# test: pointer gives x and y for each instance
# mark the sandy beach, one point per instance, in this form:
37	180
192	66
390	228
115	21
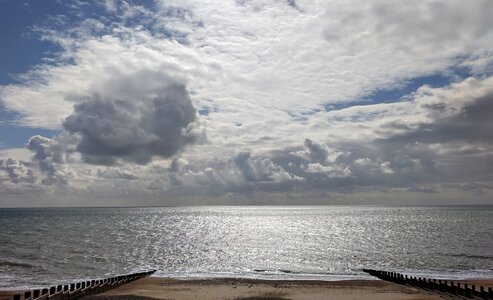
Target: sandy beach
250	289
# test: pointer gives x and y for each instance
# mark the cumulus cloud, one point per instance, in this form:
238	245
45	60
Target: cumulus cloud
116	173
278	110
259	169
17	171
45	148
134	130
47	154
316	152
469	121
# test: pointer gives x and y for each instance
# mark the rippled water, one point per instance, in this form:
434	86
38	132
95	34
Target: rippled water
42	246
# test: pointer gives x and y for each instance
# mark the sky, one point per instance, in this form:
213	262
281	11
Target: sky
264	102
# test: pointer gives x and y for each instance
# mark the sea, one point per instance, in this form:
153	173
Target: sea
40	247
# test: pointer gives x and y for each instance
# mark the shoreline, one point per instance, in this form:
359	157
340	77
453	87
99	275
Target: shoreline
274	289
486	281
232	288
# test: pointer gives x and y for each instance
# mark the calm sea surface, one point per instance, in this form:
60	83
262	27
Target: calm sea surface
46	246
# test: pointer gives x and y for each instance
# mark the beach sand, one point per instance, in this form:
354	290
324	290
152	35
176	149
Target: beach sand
250	289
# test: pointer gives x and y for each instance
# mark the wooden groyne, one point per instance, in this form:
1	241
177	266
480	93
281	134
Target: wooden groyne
74	290
448	287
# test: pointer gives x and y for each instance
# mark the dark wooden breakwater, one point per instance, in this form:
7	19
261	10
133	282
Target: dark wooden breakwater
74	290
442	286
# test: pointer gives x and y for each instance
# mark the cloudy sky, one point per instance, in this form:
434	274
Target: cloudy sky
246	102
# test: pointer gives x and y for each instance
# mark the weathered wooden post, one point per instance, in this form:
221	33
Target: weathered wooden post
452	288
79	289
467	291
460	291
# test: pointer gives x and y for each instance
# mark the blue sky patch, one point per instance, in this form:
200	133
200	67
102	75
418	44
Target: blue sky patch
407	87
14	136
21	49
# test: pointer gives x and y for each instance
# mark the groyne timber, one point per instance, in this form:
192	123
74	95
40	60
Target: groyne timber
74	290
446	287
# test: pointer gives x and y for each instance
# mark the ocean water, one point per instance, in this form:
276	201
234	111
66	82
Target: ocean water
45	246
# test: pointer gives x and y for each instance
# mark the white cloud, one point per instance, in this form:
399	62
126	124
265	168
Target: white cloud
19	153
261	72
111	5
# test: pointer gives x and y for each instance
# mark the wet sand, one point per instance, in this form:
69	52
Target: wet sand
249	289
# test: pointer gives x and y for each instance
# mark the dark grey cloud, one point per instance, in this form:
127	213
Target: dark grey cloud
317	152
420	158
259	169
294	5
134	130
471	124
48	153
174	180
474	187
456	147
